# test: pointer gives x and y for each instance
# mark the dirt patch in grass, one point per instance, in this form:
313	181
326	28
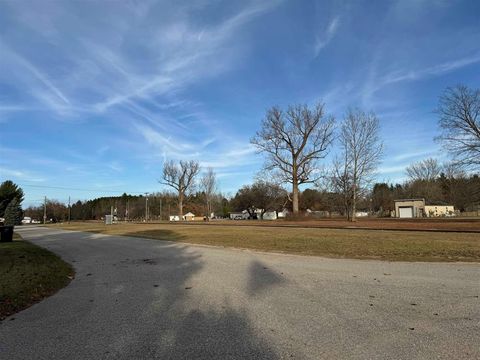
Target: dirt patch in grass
28	274
341	243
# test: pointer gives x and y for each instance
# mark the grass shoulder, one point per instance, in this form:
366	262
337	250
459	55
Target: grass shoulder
29	273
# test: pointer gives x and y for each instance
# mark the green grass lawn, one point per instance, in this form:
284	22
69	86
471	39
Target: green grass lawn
341	243
28	274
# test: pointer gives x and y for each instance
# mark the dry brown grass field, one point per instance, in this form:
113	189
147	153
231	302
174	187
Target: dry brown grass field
392	245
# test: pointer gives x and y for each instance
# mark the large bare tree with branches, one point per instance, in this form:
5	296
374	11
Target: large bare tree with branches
294	141
362	150
181	177
459	111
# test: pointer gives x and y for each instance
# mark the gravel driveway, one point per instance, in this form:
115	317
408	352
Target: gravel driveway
148	299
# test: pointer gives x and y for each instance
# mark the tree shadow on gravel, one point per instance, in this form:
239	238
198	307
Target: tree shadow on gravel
180	330
217	334
133	298
261	278
163	316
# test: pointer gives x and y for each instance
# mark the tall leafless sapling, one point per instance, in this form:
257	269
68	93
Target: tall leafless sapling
181	177
459	111
294	141
208	185
342	182
362	150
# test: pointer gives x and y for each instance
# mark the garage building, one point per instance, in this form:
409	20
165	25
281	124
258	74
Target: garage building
409	208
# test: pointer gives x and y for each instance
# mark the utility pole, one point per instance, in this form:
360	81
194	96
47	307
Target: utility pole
69	210
160	209
146	207
45	210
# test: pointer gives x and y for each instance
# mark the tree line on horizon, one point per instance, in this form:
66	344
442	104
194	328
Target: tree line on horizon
443	188
294	142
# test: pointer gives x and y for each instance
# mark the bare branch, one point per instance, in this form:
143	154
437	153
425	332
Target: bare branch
459	110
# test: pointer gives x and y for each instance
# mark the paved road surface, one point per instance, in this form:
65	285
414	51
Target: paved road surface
146	299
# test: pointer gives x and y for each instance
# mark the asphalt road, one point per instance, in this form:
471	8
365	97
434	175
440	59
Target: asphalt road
147	299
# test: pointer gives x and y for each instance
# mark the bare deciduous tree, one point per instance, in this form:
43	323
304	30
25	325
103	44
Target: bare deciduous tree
459	111
362	150
294	142
452	170
181	177
209	187
427	170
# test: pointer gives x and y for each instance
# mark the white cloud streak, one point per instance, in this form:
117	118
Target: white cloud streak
413	75
53	97
323	39
191	52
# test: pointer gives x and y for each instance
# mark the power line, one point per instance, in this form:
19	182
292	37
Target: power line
78	189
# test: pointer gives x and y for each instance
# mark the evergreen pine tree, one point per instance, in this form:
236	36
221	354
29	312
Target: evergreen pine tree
13	213
8	191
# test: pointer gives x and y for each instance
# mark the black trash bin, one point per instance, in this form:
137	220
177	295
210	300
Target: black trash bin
6	233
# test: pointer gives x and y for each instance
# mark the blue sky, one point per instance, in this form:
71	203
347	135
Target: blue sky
96	95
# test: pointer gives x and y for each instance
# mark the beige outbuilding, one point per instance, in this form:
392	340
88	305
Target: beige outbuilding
416	208
409	208
439	210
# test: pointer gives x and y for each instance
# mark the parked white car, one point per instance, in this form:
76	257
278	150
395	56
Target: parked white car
27	220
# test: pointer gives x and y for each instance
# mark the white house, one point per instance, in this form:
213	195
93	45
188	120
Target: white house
239	215
270	215
282	214
189	216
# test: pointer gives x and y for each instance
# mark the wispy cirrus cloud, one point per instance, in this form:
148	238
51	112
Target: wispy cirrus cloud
167	145
415	155
324	38
191	51
20	174
431	71
378	82
103	74
41	86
